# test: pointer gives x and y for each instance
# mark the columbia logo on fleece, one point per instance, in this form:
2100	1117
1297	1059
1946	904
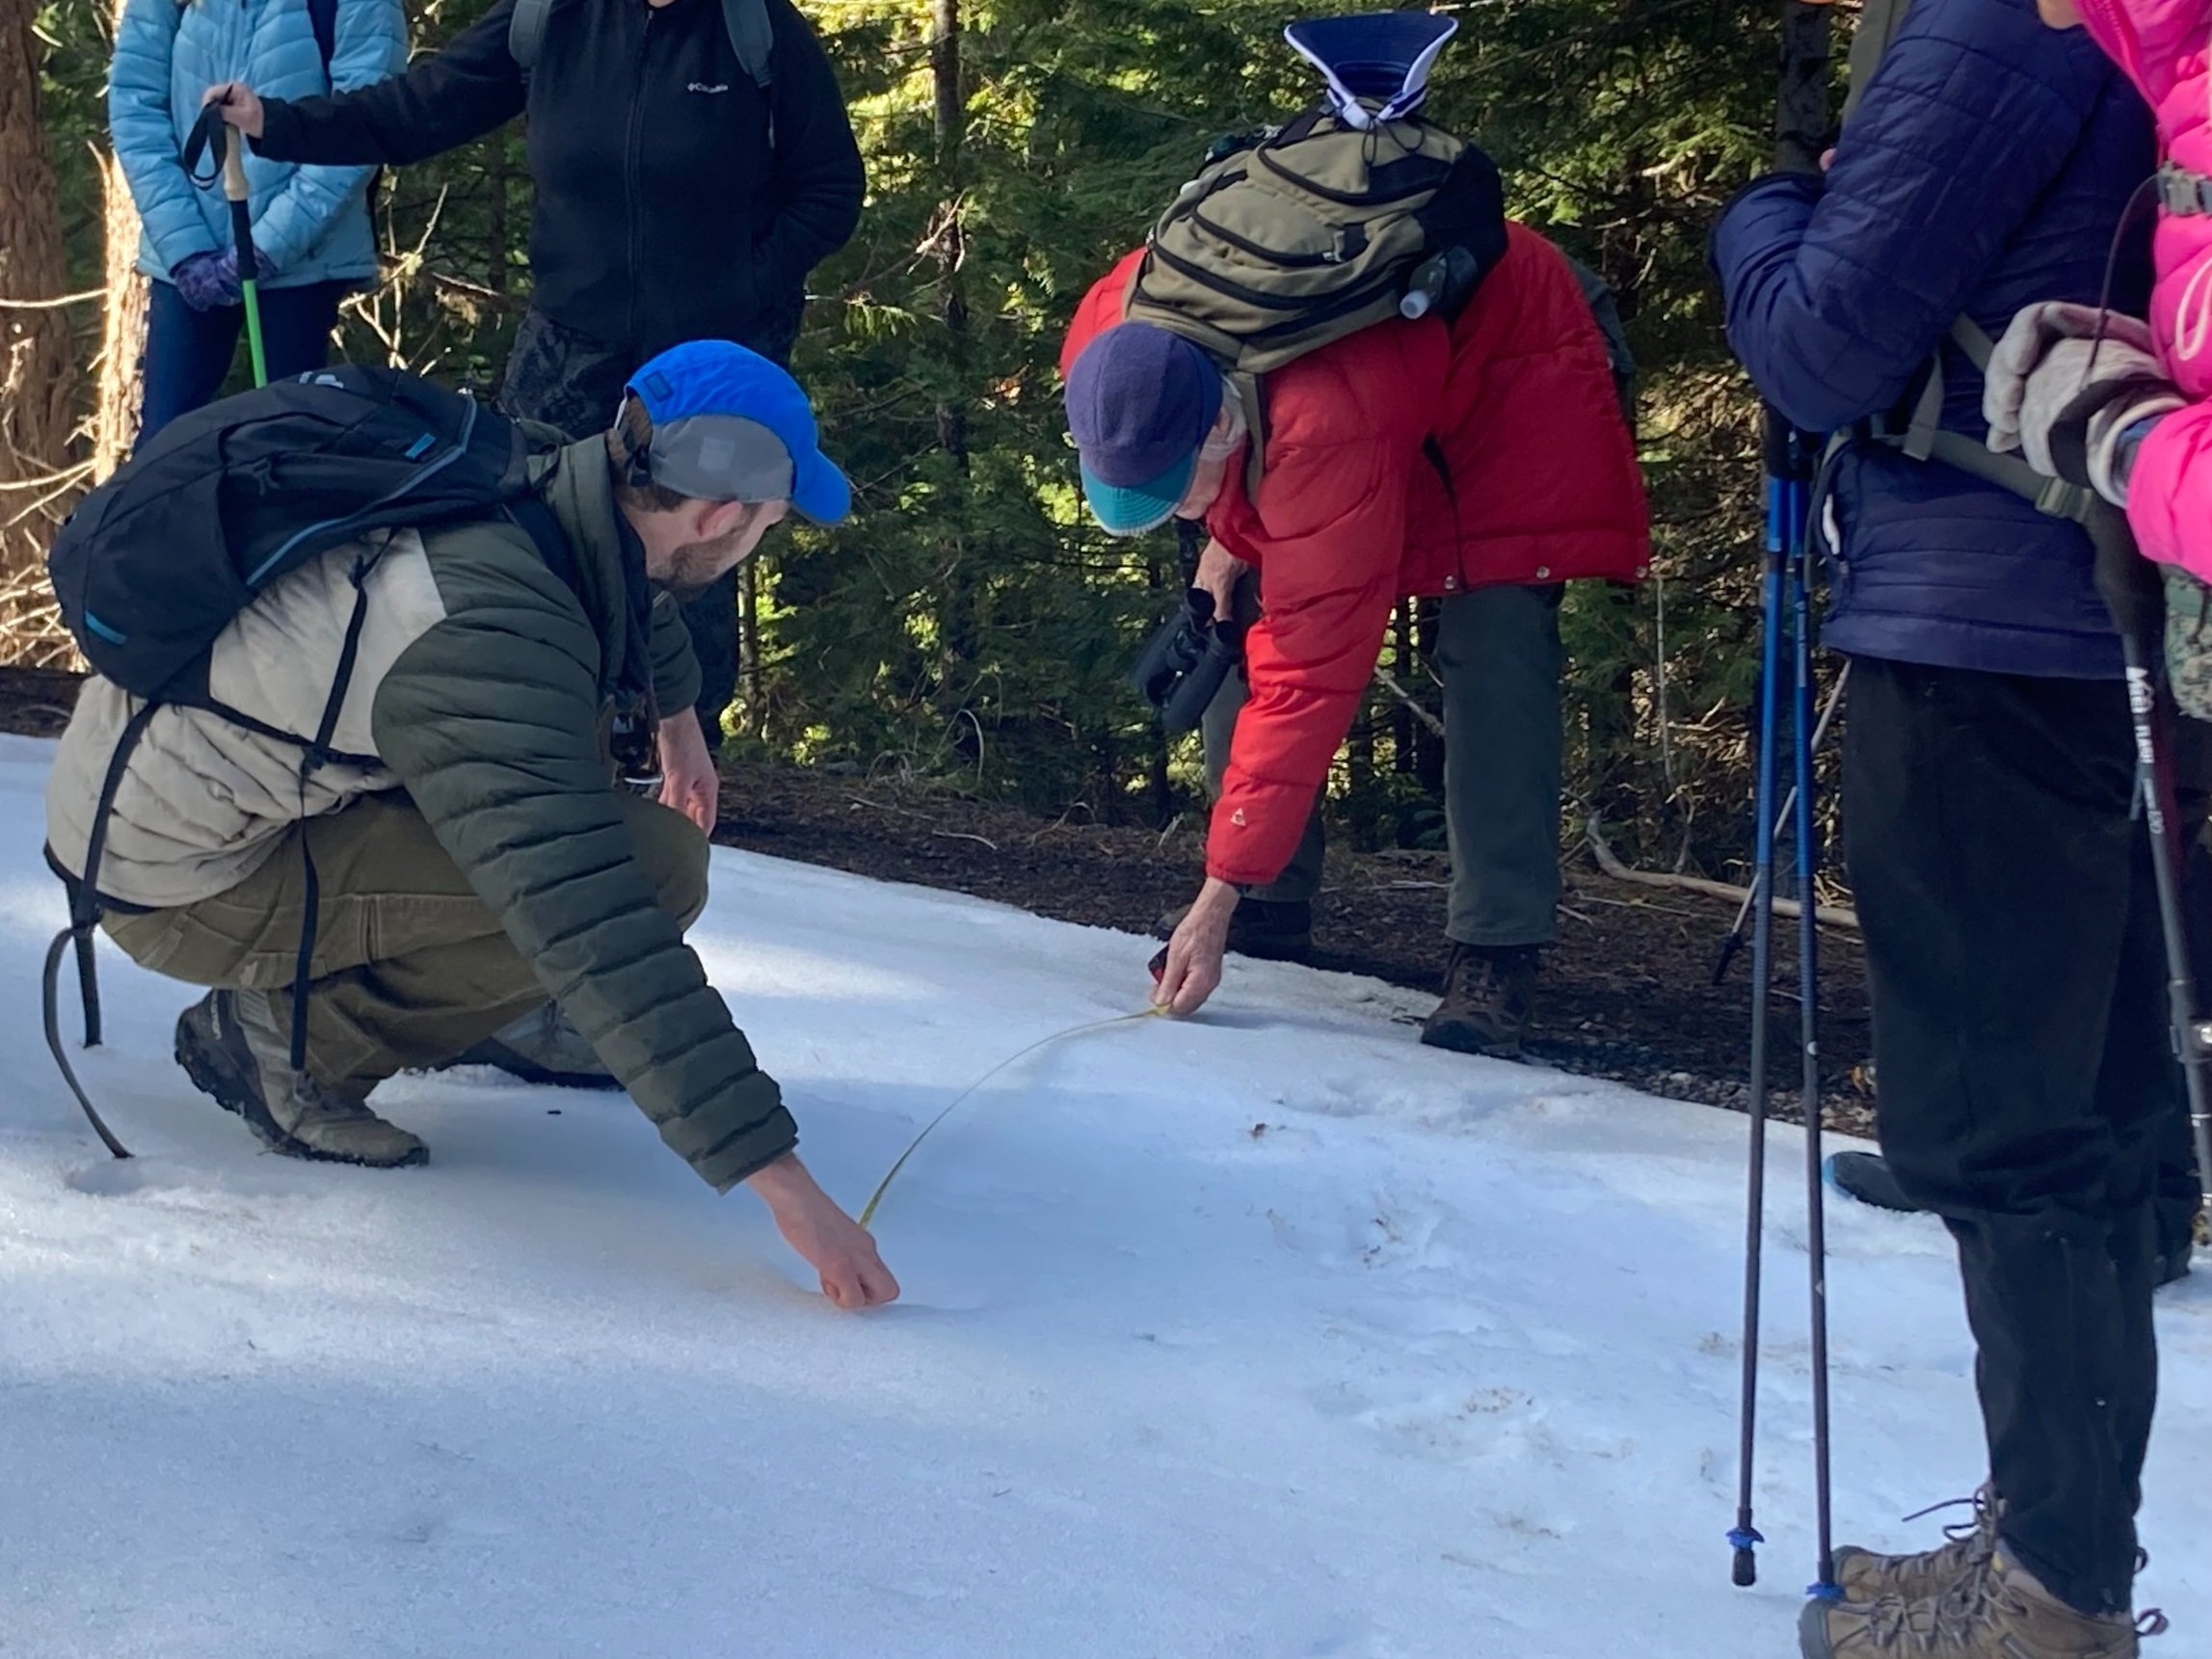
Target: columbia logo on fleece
703	87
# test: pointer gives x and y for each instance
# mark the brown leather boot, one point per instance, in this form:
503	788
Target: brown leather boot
2001	1611
233	1047
1489	993
1864	1577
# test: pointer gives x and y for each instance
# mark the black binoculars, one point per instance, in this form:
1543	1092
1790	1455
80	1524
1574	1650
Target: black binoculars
633	740
1186	660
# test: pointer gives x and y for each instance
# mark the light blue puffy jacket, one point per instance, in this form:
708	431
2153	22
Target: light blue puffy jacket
311	224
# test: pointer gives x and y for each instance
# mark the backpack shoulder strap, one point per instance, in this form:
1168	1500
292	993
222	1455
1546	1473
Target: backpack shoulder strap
1879	21
1252	400
527	31
1925	439
750	31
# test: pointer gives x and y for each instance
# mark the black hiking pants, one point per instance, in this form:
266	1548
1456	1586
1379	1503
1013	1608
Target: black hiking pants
575	383
2019	979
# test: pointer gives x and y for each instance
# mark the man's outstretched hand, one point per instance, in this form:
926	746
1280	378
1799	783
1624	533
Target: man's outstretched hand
1194	966
833	1245
689	781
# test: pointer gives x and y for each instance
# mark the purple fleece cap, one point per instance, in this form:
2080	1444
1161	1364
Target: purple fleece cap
1140	401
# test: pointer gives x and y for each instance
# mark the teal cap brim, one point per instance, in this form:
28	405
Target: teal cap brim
1132	509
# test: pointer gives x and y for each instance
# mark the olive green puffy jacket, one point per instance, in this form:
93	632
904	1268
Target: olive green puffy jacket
480	688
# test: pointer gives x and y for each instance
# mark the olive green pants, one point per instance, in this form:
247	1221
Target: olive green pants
1499	655
410	967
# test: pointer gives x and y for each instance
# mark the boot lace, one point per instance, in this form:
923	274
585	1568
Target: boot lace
1895	1626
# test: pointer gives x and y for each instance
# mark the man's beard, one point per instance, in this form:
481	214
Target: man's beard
693	570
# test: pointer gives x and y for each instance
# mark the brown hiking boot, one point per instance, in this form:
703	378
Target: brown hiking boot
2000	1612
233	1047
1489	993
1864	1577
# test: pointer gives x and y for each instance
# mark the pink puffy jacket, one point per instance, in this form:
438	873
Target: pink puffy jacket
2166	48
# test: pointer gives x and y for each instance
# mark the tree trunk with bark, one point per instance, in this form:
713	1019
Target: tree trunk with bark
122	322
957	604
39	379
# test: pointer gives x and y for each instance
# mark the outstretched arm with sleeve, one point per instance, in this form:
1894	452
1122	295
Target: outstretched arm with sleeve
142	123
369	49
1328	578
465	91
489	719
1838	293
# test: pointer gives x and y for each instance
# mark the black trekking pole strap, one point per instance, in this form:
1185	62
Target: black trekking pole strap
206	140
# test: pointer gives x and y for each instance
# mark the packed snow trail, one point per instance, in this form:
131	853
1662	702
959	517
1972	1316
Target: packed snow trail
1266	1335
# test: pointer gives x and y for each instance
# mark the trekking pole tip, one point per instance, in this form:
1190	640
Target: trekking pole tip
1747	1540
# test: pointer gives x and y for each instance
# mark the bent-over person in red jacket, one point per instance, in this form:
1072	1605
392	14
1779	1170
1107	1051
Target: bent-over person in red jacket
1485	461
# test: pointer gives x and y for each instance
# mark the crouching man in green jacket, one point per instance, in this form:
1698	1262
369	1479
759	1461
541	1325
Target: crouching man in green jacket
475	856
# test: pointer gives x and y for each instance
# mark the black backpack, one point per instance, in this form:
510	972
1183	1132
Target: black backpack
224	501
215	508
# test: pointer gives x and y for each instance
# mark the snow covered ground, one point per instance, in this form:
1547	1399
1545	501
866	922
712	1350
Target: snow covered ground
1266	1334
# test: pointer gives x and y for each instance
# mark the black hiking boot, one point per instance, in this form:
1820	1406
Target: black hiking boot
1270	929
540	1048
1489	994
234	1048
1866	1176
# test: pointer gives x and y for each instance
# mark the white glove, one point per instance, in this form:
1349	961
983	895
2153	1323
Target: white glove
2062	395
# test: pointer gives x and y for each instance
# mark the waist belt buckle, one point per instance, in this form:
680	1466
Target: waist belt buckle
2182	191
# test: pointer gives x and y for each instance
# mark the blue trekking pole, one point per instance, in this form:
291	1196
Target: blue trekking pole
1799	124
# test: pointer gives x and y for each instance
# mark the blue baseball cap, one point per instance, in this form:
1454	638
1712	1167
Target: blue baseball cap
728	426
1140	401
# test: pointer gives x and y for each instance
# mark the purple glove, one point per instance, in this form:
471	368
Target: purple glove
263	270
204	283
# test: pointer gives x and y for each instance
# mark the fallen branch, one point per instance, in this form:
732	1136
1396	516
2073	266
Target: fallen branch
1390	684
1827	915
56	303
962	835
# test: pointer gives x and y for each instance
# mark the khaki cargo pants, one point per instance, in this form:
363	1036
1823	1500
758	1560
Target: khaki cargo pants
411	968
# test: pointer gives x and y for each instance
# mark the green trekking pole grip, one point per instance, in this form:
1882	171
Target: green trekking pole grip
242	234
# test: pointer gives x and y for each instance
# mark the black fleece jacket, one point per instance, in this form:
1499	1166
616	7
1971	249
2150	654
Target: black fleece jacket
664	211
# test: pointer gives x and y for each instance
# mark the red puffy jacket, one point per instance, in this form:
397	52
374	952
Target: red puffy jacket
1354	511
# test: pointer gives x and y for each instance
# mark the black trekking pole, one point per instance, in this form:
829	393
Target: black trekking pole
1745	1535
1805	736
242	237
1800	122
2130	587
223	147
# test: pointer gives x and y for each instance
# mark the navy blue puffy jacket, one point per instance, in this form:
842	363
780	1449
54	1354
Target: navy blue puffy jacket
1987	169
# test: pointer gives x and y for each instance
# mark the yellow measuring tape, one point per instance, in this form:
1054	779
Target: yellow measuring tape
868	1212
